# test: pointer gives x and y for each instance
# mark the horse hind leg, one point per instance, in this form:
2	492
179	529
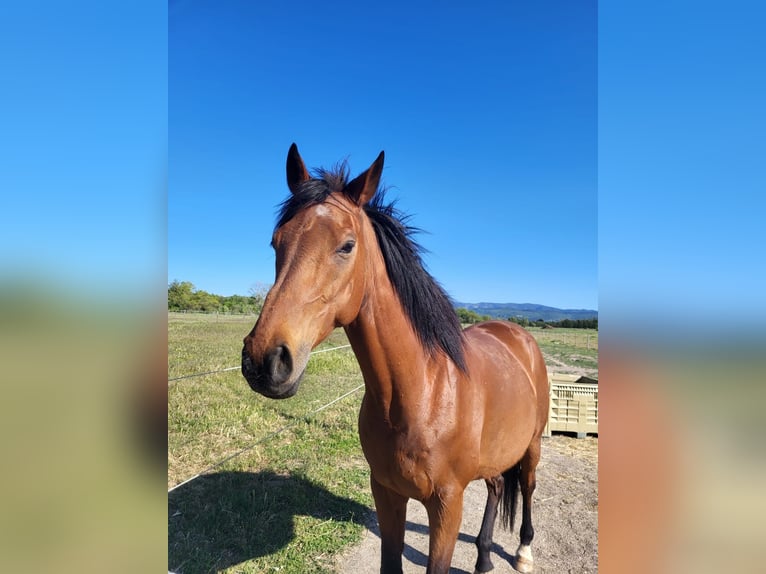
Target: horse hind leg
527	481
484	539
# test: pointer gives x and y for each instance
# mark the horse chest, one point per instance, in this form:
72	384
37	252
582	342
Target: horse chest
402	462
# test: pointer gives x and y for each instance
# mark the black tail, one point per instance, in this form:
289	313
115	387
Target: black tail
510	495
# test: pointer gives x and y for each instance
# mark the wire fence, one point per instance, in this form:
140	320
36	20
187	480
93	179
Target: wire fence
585	340
212	316
270	435
267	437
588	341
237	367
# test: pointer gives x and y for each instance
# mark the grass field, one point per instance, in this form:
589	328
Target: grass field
299	493
298	496
568	349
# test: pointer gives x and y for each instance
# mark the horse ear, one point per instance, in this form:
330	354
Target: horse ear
296	169
364	186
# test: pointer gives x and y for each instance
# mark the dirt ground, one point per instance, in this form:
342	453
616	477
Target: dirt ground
565	518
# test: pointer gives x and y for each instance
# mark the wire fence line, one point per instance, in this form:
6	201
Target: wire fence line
267	437
237	367
203	374
270	435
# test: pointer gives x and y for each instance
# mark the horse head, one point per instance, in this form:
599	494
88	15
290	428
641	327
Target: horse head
321	241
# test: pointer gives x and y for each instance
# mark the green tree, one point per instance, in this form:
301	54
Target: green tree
470	317
206	302
258	293
183	296
577	323
180	294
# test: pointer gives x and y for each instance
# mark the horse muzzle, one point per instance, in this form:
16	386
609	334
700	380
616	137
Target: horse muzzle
275	375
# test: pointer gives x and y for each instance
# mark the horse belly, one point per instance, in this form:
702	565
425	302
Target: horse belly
508	429
501	453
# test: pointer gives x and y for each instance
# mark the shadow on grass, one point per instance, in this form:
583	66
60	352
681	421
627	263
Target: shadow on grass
226	518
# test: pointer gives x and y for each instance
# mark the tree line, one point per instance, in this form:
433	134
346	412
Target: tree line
183	296
470	317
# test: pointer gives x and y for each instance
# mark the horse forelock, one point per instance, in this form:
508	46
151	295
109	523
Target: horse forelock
313	191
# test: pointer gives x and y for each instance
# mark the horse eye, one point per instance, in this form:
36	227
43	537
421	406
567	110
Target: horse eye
347	247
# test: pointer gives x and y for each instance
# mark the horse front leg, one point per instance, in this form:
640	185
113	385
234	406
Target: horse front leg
392	513
445	512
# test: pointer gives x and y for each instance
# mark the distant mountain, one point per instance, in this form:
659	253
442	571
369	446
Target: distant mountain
531	311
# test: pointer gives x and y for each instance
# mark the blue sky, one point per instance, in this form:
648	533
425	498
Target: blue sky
470	108
83	145
682	167
487	115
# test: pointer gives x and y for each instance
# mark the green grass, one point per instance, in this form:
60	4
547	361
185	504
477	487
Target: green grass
573	347
293	500
580	338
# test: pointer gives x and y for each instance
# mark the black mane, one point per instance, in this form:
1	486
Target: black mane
423	300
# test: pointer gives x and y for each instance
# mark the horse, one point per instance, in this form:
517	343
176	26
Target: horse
442	406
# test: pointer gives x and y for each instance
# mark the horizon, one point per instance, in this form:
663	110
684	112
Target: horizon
528	303
452	299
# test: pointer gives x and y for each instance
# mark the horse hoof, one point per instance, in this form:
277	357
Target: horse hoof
483	567
524	562
523	566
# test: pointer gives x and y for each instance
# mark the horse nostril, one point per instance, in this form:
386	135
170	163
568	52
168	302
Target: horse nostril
247	363
279	364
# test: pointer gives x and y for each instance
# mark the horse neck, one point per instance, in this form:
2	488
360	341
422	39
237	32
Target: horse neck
391	357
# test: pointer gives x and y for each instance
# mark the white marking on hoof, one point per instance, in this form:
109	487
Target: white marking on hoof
524	561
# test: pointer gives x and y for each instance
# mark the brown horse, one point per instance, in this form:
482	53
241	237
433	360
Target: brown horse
442	406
